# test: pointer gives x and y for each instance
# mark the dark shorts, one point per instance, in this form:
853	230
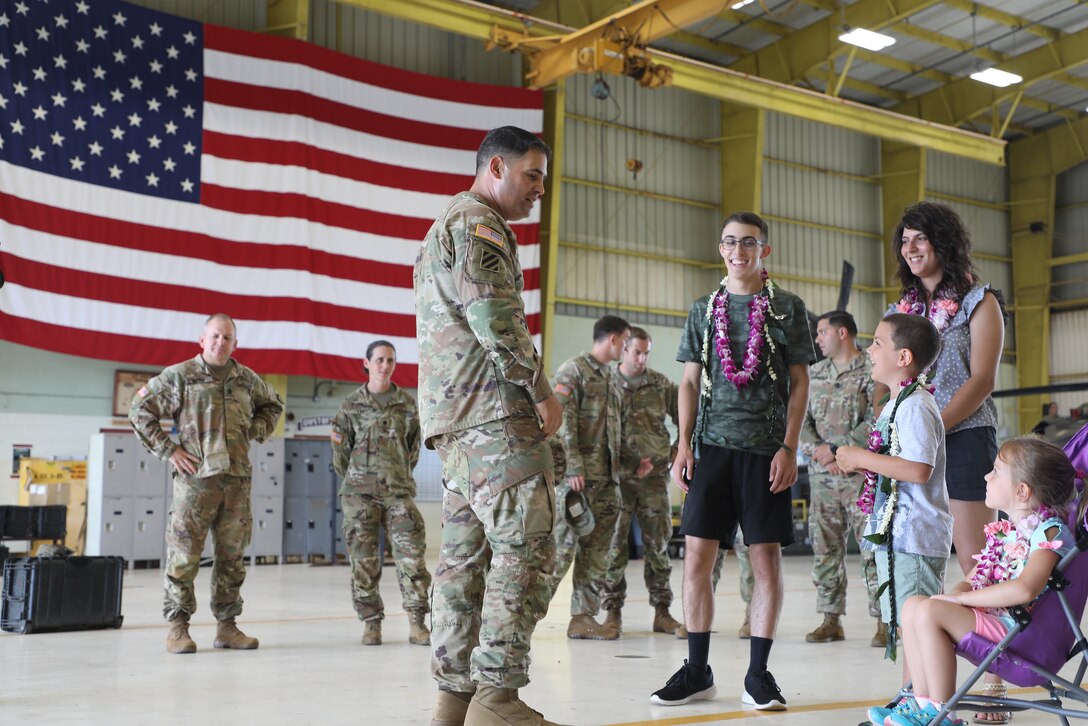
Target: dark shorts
733	487
970	456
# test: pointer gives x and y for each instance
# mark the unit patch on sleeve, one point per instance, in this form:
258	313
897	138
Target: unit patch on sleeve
485	232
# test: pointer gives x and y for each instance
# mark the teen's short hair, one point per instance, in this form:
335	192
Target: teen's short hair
916	334
749	218
511	143
607	325
841	319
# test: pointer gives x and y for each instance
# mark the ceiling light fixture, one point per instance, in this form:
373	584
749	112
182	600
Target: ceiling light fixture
866	39
996	77
741	4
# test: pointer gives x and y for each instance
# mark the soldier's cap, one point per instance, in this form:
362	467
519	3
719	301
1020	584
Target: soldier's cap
579	515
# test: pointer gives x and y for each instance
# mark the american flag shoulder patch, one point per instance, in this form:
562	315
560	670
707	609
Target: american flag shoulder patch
485	232
562	389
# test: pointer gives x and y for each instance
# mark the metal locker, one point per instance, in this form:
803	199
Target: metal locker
268	467
149	528
319	519
109	527
267	540
338	528
111	465
295	526
148	473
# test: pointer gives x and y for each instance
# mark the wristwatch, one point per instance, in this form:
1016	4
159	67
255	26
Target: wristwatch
834	449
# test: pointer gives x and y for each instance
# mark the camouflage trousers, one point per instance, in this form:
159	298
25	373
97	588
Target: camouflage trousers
648	499
492	583
747	579
397	514
220	505
832	515
591	554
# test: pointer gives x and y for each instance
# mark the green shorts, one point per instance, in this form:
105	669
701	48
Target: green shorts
914	575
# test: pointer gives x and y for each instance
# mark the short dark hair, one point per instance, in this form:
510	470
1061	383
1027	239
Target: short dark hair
641	334
841	319
511	143
950	240
607	325
749	218
918	335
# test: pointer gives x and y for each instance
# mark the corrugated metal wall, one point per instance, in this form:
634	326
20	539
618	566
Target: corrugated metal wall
1069	356
240	14
821	198
1068	339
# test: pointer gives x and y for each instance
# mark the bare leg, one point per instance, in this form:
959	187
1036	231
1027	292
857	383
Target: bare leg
938	626
768	588
968	520
699	556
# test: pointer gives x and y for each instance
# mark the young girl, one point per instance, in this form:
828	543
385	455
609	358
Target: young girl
1032	481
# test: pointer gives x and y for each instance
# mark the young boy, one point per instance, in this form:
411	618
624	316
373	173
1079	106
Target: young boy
915	537
746	350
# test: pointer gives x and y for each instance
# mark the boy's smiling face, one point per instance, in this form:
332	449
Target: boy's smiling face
743	260
890	365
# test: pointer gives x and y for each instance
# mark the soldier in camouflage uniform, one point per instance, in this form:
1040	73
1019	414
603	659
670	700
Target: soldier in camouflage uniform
647	398
840	413
375	447
218	405
591	439
487	407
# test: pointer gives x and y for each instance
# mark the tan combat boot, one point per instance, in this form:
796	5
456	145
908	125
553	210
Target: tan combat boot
227	635
501	707
177	638
372	631
744	632
584	627
664	622
613	619
417	629
880	638
450	708
829	630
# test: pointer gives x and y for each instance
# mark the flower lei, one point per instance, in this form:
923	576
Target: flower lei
878	445
941	310
1005	554
717	316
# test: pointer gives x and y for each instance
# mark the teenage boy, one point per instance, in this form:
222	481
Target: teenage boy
906	457
746	350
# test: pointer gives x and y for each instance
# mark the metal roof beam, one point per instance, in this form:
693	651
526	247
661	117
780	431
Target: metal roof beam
1007	19
963	99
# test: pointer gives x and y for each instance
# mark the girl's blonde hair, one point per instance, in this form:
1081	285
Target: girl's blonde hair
1046	469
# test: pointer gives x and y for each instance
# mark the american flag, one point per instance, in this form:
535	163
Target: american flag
154	170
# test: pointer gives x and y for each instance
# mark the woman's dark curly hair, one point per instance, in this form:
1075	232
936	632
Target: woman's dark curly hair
950	240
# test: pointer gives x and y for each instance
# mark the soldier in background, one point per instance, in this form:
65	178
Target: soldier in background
218	406
486	406
375	447
647	399
591	440
840	412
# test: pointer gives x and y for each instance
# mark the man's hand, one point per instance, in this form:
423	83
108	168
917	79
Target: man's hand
551	414
849	458
783	471
645	466
184	462
683	466
822	454
577	483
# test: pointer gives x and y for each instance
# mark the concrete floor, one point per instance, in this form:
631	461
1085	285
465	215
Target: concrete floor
311	669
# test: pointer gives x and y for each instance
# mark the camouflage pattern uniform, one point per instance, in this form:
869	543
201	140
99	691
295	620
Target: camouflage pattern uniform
839	412
479	378
216	419
591	440
644	408
375	447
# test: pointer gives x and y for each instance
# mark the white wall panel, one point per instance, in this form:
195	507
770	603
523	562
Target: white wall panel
966	178
1069	355
1071	233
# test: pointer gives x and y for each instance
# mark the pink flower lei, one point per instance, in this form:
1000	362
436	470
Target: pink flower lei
757	317
941	310
878	445
1007	547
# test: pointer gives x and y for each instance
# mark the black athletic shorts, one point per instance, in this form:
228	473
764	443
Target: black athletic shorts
970	455
733	487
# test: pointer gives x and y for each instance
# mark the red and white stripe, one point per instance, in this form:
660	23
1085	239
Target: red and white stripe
320	176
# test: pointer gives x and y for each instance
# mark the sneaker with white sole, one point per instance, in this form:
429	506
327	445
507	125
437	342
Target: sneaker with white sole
686	685
762	693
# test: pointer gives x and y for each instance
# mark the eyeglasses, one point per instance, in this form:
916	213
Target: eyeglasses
748	243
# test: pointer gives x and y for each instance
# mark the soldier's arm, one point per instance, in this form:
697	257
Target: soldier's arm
568	389
629	457
342	438
414	437
159	398
267	407
672	404
484	275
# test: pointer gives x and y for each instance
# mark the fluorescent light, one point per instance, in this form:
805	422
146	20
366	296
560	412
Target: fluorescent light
866	39
741	4
996	78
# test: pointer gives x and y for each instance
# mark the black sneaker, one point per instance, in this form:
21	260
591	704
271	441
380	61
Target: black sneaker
687	684
762	693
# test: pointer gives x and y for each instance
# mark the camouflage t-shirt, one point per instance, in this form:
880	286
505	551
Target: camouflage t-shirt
752	418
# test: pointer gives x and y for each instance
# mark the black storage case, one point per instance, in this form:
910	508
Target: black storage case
16	522
44	594
51	521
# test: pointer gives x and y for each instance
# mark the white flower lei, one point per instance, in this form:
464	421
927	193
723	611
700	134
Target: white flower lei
888	512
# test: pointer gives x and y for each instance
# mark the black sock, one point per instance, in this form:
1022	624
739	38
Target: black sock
698	649
761	651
